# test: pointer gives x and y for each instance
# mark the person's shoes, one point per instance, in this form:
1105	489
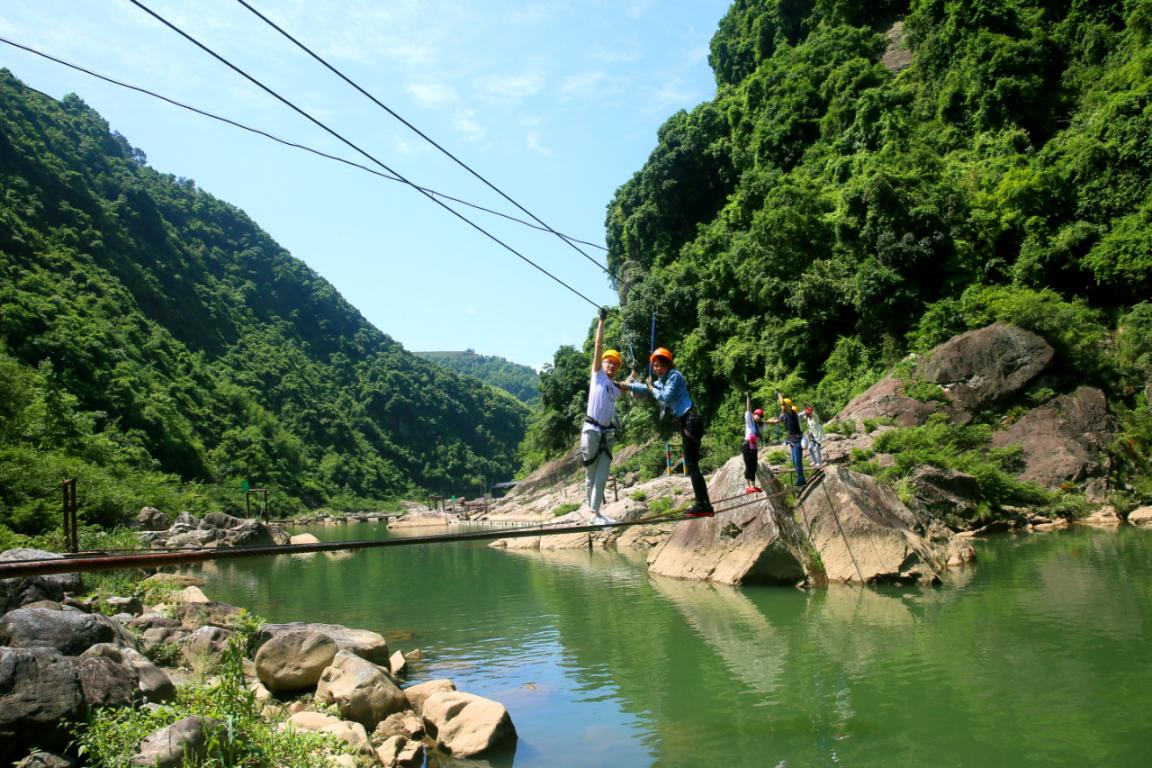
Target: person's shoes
697	511
753	489
801	484
602	520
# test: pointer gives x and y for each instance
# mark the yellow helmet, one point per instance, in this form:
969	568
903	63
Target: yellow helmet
611	354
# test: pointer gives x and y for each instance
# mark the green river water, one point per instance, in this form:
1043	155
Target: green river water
1037	656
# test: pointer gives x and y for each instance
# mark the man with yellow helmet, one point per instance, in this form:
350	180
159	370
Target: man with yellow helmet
599	430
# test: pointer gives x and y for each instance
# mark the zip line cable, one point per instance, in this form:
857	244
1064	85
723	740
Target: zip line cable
300	111
420	133
277	139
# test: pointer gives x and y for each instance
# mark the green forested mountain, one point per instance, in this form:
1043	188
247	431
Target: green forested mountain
873	177
151	333
519	380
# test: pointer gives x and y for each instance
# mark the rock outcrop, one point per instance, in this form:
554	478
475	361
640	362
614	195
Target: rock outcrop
865	534
1064	440
751	540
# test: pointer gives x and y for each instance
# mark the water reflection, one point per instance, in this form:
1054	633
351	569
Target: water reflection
1032	658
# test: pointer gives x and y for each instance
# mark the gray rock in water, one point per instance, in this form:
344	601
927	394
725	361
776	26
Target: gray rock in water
752	539
465	724
865	534
361	691
291	661
364	643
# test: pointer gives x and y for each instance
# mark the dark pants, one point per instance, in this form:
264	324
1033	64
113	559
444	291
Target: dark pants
750	455
692	431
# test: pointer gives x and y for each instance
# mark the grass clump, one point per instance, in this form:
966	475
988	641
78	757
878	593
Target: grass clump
565	508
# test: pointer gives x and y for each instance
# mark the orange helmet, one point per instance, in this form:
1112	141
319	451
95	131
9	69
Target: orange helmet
661	352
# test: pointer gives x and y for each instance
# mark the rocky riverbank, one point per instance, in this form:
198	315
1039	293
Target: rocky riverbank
64	660
847	525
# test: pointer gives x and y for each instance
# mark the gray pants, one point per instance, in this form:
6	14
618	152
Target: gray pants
596	447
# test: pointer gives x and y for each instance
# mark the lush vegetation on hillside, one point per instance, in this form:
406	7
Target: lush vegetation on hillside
518	380
157	344
832	209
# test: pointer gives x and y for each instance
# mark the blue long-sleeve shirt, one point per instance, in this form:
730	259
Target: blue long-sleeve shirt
671	392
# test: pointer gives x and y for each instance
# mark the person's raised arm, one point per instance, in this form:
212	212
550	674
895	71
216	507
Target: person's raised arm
599	347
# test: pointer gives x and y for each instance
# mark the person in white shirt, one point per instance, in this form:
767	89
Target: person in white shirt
599	430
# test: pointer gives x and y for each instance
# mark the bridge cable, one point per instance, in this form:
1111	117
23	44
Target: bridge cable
277	139
320	124
421	134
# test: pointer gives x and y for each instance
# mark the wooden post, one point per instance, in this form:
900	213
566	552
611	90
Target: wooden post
71	535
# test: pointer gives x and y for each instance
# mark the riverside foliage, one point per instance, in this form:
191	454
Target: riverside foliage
873	177
159	346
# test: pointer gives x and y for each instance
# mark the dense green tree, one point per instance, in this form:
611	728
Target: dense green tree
154	335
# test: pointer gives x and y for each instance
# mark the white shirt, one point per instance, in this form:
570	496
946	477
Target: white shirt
602	394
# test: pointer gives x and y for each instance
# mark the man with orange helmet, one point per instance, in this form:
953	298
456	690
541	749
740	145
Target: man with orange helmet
670	390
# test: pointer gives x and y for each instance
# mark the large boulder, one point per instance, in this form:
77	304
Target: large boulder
69	632
151	519
947	494
39	691
291	661
360	690
30	589
106	683
419	693
351	733
153	683
364	643
185	742
985	365
198	611
885	401
865	534
205	648
464	724
752	539
1064	440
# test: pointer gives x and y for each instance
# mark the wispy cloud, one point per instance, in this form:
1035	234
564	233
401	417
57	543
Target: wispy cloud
432	94
512	88
534	144
465	122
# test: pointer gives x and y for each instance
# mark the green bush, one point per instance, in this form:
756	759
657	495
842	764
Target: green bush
565	508
962	448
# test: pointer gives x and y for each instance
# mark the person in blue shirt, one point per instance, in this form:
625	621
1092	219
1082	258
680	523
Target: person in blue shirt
670	390
790	418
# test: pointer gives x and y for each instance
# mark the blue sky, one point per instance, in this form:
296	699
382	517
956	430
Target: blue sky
556	103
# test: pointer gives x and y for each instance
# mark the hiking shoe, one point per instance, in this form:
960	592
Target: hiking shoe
753	489
598	520
700	512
